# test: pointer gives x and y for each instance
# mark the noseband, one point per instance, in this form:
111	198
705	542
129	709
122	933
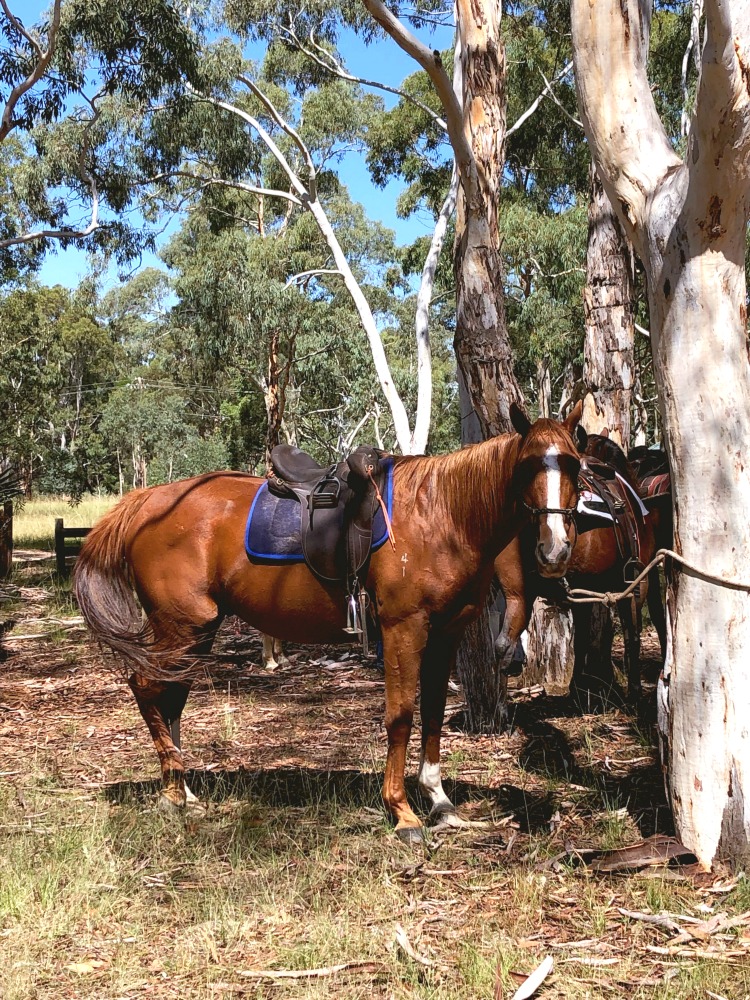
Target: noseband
538	511
567	512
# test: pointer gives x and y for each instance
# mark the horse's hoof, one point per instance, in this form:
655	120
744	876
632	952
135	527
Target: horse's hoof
190	798
414	835
444	818
170	801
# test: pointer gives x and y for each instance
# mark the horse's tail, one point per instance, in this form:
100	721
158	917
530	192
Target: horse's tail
103	586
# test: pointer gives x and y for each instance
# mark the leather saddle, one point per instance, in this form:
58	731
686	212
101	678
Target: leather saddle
625	509
337	508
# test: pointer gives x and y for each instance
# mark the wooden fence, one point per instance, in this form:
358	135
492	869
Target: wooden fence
62	551
6	539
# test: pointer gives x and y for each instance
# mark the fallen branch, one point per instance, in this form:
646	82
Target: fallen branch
403	941
329	970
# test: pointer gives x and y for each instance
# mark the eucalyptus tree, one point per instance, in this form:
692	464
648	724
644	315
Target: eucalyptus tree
687	218
244	131
69	86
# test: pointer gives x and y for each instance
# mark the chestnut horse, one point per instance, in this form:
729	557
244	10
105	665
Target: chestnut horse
180	547
596	564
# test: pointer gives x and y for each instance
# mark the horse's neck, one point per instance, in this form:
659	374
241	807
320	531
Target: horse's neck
470	490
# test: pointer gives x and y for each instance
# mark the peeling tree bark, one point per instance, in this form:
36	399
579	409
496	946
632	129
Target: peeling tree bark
608	373
481	341
687	222
608	303
474	106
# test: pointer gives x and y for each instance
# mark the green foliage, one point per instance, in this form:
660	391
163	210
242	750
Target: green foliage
73	128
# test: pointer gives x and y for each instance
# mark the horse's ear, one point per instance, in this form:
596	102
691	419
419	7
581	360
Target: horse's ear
574	417
520	421
604	432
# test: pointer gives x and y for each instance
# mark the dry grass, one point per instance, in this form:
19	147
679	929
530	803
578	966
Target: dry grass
293	865
34	524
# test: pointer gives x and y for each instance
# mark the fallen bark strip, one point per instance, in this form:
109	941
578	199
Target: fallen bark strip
329	970
535	980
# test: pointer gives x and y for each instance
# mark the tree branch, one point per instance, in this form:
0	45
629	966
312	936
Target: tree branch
88	179
286	127
432	64
263	135
720	131
309	200
692	47
422	320
222	182
535	104
326	61
43	59
631	148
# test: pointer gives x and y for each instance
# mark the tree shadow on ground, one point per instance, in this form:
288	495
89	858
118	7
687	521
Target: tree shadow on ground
550	752
302	787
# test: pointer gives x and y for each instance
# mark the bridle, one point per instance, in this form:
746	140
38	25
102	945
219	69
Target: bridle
568	512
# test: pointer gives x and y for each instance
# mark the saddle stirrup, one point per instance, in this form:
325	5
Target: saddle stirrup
356	616
353	617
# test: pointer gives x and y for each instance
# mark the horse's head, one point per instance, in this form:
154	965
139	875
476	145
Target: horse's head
546	479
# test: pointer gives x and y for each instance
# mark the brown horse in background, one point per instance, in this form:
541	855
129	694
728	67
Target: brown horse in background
180	547
596	564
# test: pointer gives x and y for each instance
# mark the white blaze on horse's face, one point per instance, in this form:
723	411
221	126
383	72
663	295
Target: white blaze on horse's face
554	547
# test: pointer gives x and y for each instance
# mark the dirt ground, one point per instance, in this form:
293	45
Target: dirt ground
304	748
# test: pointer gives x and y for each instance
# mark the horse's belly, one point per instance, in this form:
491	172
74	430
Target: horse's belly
288	602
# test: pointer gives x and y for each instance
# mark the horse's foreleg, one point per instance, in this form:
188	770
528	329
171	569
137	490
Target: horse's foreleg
435	673
161	706
631	637
656	609
273	653
403	645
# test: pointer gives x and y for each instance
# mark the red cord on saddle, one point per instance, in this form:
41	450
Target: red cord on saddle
391	536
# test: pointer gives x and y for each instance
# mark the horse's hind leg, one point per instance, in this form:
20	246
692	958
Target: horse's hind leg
273	653
631	637
161	702
656	609
161	706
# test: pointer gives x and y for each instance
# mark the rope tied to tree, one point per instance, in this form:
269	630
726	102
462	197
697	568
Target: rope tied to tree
579	596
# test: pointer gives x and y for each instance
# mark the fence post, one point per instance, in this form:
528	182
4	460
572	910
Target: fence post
6	539
60	546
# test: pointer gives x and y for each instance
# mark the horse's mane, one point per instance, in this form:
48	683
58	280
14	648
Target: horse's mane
469	486
648	461
608	451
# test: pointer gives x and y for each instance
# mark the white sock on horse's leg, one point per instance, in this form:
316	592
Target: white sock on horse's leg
431	784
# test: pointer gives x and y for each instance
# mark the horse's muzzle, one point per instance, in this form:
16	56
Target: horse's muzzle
552	563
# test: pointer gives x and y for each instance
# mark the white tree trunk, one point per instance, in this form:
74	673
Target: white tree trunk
687	222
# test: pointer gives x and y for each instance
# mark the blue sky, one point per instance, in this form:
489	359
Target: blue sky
382	61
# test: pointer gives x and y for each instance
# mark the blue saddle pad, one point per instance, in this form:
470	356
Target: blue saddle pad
273	524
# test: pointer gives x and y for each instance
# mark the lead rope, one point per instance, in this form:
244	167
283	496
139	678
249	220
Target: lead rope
578	596
389	526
